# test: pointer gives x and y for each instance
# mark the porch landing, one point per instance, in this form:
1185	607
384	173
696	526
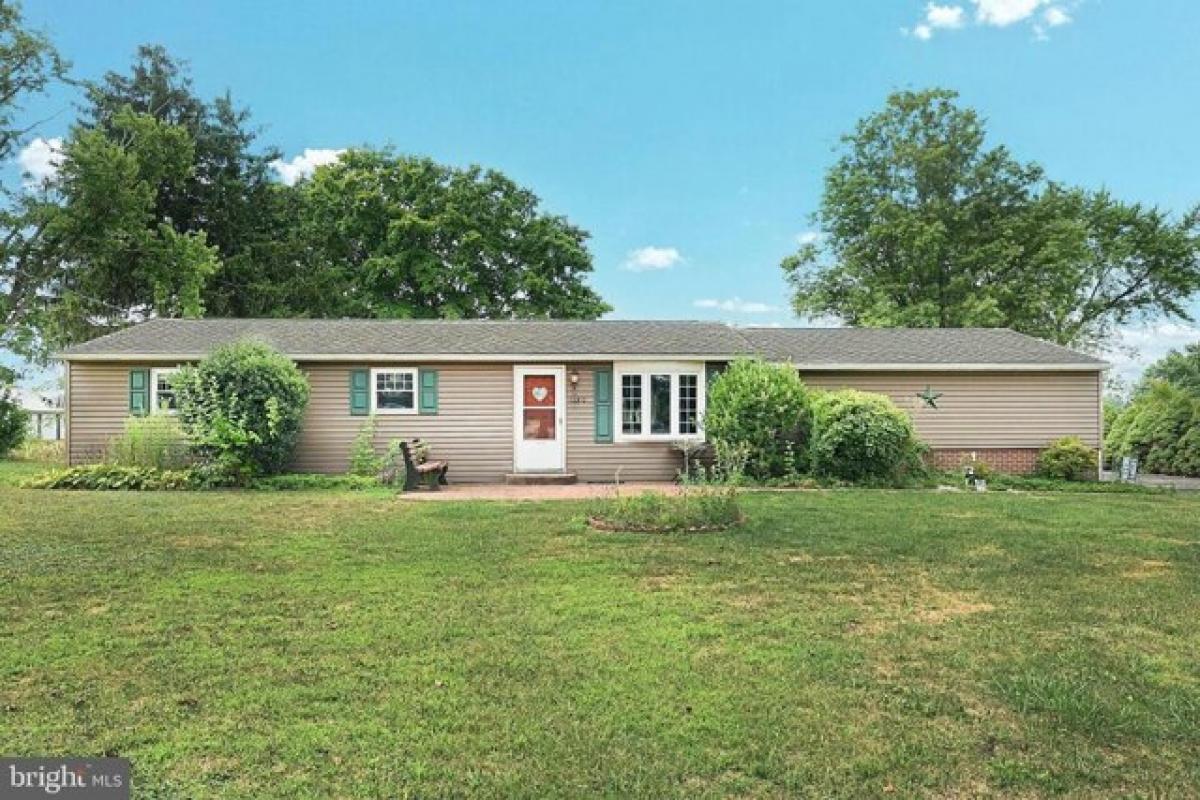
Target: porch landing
540	478
499	491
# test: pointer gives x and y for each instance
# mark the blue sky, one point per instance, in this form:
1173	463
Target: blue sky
698	129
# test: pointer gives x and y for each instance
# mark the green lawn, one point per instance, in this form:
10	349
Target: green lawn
841	644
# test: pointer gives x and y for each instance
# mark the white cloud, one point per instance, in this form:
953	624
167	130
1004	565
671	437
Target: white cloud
1055	16
39	159
1140	346
645	259
1040	15
937	16
1003	13
808	237
945	16
737	305
305	164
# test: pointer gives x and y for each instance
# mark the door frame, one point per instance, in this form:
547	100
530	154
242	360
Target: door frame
559	371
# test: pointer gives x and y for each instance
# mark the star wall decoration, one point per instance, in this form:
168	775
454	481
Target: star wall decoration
930	396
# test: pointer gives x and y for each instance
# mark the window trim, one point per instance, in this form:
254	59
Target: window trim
619	381
645	370
154	406
374	390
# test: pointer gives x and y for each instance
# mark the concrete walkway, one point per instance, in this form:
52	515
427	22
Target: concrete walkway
499	491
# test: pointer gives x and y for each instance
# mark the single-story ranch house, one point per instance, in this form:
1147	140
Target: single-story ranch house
587	399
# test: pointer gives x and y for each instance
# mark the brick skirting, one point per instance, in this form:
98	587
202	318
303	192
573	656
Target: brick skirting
1012	460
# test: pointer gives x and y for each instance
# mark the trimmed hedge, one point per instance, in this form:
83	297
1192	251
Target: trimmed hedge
860	436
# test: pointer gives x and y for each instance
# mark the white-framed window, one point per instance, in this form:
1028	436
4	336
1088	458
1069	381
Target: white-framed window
162	393
660	400
394	390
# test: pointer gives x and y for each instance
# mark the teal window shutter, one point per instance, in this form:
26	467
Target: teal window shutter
360	392
712	371
602	380
428	403
139	392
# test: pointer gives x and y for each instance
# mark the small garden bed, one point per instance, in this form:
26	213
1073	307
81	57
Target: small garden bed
706	509
116	478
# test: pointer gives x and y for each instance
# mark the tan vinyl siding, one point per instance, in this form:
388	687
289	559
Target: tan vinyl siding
637	461
473	428
982	410
98	405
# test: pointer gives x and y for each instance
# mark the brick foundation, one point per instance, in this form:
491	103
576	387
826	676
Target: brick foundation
1012	460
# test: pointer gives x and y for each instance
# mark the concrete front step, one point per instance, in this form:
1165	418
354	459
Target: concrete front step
539	478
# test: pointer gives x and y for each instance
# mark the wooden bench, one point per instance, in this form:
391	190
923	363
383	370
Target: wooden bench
433	473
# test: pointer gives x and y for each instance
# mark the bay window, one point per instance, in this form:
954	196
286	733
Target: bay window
660	401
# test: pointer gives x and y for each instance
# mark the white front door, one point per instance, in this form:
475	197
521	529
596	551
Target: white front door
539	412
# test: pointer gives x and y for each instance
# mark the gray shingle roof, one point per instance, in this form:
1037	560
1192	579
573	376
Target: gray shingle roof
810	347
959	346
330	337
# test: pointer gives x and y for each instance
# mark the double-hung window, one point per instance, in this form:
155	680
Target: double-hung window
660	401
162	393
394	391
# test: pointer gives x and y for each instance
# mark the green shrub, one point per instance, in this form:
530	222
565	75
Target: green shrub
859	436
363	459
307	482
14	423
1068	459
763	411
694	509
1159	428
242	408
156	441
113	478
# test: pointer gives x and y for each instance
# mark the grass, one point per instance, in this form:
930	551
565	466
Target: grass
840	643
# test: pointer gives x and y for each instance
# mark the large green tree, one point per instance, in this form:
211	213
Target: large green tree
29	64
1180	368
105	256
923	224
164	205
228	193
398	236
